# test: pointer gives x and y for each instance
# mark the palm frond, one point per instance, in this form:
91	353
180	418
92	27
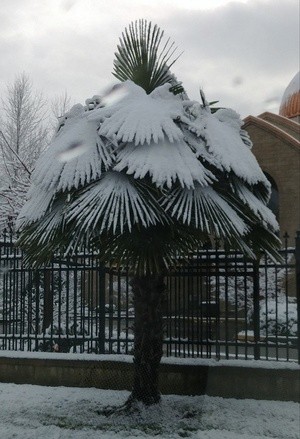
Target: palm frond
59	174
141	58
165	162
141	118
42	238
114	204
264	215
149	250
204	208
221	132
263	239
39	201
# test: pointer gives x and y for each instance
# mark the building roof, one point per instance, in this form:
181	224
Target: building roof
290	103
278	126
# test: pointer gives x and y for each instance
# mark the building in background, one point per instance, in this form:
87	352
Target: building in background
276	145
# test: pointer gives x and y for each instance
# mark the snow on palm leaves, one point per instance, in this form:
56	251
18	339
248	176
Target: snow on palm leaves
147	169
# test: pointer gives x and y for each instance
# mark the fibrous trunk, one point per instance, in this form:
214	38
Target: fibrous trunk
148	292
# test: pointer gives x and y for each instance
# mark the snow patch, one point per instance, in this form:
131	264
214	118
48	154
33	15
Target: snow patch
29	412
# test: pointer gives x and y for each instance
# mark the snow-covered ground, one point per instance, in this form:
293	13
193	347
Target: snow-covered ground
36	412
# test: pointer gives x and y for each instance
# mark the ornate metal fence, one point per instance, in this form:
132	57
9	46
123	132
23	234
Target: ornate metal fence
218	304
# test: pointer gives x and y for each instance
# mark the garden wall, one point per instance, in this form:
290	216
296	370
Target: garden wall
229	379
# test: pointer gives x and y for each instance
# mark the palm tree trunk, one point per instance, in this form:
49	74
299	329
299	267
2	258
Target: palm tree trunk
148	293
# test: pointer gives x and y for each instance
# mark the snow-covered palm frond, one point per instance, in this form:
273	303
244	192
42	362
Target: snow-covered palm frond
54	171
141	118
37	205
40	238
140	59
265	215
165	163
200	149
204	208
114	204
47	228
229	117
224	143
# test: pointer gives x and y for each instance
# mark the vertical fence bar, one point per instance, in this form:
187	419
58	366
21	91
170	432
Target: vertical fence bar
14	300
198	302
256	310
190	326
277	293
101	315
76	303
297	258
236	328
226	298
266	303
218	305
5	272
90	266
119	311
36	312
127	313
286	290
178	315
204	283
61	311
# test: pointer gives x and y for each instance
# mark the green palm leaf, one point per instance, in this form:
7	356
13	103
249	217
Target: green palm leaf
141	57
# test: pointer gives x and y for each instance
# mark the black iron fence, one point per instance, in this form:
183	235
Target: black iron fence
219	305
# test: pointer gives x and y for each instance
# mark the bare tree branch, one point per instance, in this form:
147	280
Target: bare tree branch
15	153
24	134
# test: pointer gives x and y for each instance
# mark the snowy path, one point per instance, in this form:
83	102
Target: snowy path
35	412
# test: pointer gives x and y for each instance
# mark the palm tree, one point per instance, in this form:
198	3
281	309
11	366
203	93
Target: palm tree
145	179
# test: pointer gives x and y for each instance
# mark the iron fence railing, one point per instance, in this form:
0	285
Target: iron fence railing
219	305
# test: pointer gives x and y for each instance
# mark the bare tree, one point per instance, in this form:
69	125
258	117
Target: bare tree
23	136
60	105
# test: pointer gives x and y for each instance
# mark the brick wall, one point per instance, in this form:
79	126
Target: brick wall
281	161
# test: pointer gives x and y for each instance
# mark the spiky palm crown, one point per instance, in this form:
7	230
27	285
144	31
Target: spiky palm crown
157	174
143	58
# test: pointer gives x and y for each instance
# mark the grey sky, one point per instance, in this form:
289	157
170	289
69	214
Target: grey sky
242	53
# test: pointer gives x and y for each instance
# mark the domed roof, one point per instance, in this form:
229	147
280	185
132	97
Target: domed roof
290	103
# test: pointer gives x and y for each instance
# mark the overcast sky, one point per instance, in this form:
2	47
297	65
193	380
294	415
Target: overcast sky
242	53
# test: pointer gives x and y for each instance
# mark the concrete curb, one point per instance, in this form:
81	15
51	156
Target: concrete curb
222	381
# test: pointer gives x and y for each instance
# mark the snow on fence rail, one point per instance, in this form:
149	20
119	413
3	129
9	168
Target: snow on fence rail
218	305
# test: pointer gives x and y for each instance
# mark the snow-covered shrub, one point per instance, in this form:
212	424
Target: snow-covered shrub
278	312
279	317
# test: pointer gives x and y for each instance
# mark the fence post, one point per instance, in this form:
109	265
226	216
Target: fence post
297	262
48	300
101	292
256	309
